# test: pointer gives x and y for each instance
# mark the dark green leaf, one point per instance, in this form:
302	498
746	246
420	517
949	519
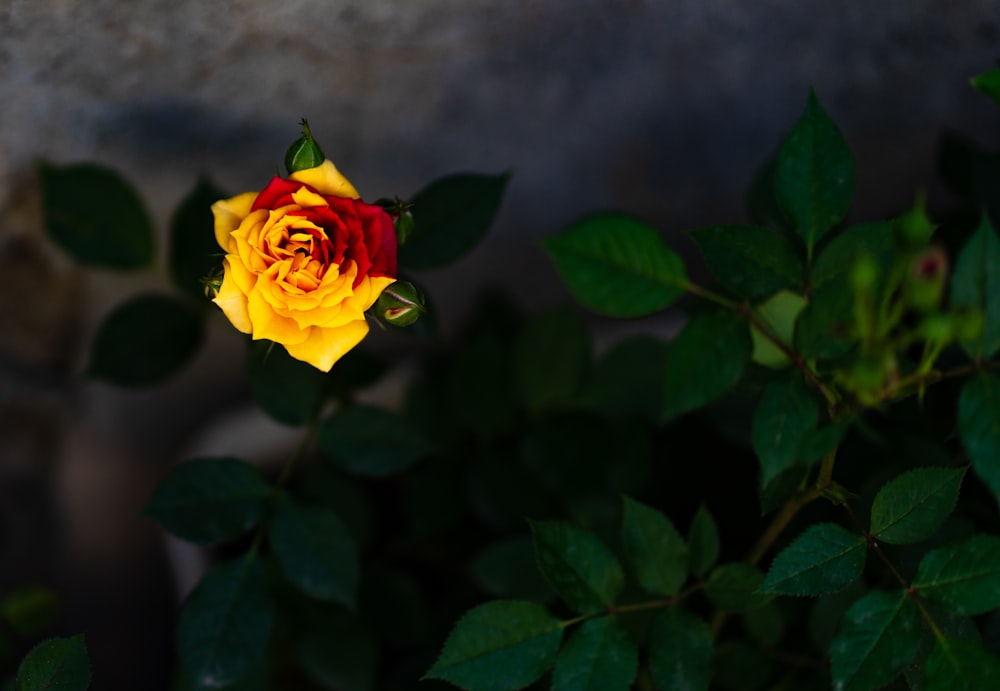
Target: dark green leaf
979	426
820	442
752	262
680	651
786	415
618	266
989	84
210	500
96	215
620	383
963	577
655	550
873	239
814	180
599	656
336	649
373	442
735	587
194	253
225	624
507	569
29	610
823	559
976	284
551	357
956	665
500	646
144	341
825	328
58	663
480	386
316	551
878	637
288	390
766	625
703	542
705	360
915	504
450	216
582	571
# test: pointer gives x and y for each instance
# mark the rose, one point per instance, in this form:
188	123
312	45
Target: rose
305	257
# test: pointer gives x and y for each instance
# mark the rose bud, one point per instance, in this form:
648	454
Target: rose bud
404	226
400	304
304	153
926	279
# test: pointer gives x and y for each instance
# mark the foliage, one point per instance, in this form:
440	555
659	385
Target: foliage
798	491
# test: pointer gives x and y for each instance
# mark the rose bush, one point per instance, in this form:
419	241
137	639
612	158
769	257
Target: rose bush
305	258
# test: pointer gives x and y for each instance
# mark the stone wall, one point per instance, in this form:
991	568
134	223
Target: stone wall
663	108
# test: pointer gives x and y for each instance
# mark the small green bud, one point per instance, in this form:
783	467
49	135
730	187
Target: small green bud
305	152
937	328
864	274
404	227
400	304
212	283
914	229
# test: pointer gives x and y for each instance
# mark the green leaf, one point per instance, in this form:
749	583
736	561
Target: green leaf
316	551
58	663
288	390
372	442
93	213
814	180
507	569
989	84
551	357
500	646
786	414
194	253
599	656
915	504
878	637
735	587
29	610
703	542
963	577
976	284
617	266
822	560
144	341
777	316
873	239
752	262
620	383
680	651
654	549
450	216
582	571
210	500
336	649
979	426
957	665
704	361
225	623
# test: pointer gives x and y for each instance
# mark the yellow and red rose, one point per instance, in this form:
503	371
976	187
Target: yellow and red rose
305	258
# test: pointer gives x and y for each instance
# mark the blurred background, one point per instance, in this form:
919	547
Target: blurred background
665	109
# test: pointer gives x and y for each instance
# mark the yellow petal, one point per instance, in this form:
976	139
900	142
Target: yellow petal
376	285
270	325
233	301
326	179
325	346
229	213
